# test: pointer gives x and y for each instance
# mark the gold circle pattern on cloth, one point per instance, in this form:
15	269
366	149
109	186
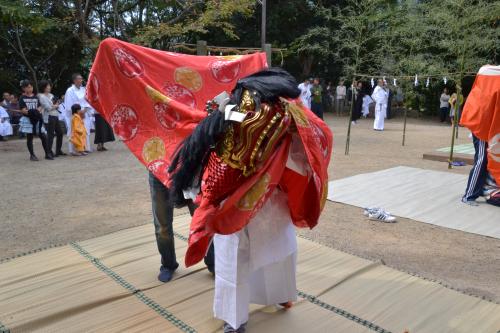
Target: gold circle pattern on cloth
153	149
188	78
254	194
231	57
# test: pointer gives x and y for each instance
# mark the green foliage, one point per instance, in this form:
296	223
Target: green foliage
53	38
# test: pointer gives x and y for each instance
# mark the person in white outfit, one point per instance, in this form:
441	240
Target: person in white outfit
305	93
5	126
76	95
380	95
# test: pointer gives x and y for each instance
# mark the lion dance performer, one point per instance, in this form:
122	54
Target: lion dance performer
481	115
264	168
255	160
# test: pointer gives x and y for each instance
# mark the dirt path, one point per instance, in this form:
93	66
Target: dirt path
71	199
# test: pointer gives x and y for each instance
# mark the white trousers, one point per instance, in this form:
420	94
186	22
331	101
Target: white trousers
257	264
380	111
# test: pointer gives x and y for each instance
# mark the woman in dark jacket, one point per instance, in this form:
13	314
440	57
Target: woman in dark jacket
358	102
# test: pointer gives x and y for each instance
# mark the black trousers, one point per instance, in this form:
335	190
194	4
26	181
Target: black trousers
479	172
443	114
317	108
37	127
163	217
54	129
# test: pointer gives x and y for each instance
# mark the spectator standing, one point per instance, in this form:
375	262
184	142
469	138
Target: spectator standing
5	126
380	95
78	131
453	106
317	100
358	102
340	95
13	110
32	122
444	106
329	97
51	118
305	93
76	95
63	119
6	100
103	132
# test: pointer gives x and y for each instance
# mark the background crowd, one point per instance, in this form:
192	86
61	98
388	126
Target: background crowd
50	117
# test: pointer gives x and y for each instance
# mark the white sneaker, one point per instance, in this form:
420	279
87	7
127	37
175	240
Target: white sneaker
382	216
373	210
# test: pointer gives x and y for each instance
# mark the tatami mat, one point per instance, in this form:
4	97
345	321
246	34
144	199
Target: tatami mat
421	195
108	284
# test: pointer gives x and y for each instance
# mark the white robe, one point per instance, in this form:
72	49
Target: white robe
380	96
305	94
258	263
5	126
367	100
76	95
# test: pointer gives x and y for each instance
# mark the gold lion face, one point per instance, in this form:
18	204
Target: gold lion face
247	103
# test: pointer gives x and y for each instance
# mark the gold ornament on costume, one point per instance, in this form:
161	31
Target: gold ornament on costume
296	112
248	144
156	96
188	78
247	103
254	194
153	149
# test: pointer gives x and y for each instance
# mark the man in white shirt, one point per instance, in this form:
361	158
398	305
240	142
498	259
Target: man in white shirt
380	95
340	94
305	93
76	95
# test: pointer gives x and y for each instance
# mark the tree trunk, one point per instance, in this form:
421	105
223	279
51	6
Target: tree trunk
307	62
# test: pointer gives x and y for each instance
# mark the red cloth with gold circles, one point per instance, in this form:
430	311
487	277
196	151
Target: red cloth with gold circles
153	99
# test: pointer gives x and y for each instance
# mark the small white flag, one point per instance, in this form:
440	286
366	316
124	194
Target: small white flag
427	83
445	80
372	82
394	83
416	80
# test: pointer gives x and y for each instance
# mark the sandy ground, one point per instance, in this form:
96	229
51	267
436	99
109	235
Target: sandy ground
75	198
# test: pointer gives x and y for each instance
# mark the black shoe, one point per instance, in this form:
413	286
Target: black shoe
60	153
33	158
49	157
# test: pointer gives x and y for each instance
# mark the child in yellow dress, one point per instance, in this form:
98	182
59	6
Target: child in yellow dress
78	132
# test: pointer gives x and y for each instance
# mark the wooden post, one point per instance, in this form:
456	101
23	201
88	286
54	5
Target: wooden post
348	139
267	48
404	127
201	47
263	25
455	118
